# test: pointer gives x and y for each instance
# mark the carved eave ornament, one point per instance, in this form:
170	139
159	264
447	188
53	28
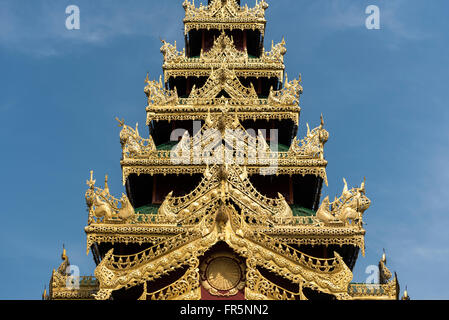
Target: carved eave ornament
269	64
221	222
224	15
192	154
65	286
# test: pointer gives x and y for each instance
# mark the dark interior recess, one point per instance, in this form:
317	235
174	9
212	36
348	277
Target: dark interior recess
307	190
283	130
271	185
261	85
166	130
204	39
146	189
317	295
132	293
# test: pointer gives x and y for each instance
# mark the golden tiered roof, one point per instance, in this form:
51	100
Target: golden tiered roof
269	64
192	154
165	104
225	207
64	286
224	15
206	216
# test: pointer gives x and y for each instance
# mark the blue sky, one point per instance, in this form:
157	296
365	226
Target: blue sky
383	94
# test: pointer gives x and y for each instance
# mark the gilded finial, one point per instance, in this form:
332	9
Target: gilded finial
322	119
405	296
106	187
44	294
147	79
64	253
91	182
362	186
384	257
121	123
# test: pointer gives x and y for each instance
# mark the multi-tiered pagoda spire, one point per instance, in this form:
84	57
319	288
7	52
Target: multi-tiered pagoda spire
222	199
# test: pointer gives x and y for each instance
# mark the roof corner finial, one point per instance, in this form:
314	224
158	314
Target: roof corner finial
64	253
405	296
91	181
384	257
322	120
44	294
121	123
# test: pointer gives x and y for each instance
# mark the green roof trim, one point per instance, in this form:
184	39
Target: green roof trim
299	211
148	209
167	145
281	148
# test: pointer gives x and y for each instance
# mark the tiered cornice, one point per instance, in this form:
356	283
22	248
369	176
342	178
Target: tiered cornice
269	64
231	145
65	286
224	15
268	219
280	104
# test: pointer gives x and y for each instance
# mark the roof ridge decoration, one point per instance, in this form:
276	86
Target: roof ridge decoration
288	95
103	207
222	139
64	285
223	79
225	182
131	141
158	95
223	48
223	222
313	143
224	14
386	288
270	63
347	209
227	80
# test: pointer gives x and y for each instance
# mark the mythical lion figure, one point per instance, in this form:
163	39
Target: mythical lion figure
132	143
347	209
103	207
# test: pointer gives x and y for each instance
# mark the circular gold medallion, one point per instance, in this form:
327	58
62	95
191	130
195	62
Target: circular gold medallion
223	273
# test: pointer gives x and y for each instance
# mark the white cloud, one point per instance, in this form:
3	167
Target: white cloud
41	30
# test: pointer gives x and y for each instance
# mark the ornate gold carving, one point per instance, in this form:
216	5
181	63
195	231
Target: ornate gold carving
185	288
225	206
132	143
65	286
224	15
244	102
349	207
313	143
233	145
105	208
260	288
157	94
222	274
269	64
223	221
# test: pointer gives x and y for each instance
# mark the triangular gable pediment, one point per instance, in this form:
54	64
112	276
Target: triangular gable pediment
221	137
226	80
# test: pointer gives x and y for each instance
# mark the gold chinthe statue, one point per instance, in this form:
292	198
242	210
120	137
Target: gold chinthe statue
222	199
